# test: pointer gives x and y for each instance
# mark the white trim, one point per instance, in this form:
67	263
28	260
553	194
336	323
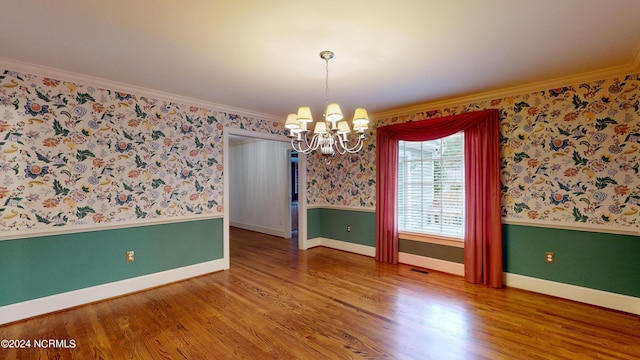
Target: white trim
35	307
431	263
255	134
226	192
342	207
343	245
514	90
288	199
34	69
22	234
311	243
581	294
261	229
303	242
608	229
601	298
302	194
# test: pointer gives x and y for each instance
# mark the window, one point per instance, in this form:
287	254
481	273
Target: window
431	186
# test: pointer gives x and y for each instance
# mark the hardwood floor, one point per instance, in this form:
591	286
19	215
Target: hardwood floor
280	303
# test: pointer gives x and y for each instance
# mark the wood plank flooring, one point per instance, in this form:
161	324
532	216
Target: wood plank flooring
280	303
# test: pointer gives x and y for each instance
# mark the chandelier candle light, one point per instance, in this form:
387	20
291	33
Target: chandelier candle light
330	135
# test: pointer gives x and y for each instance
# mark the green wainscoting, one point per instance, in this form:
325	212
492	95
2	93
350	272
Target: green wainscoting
35	267
314	223
332	224
434	251
607	262
601	261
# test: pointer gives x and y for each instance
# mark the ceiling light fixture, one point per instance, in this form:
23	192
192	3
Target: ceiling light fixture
331	135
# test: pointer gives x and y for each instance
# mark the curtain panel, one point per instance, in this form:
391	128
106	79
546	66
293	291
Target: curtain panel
483	228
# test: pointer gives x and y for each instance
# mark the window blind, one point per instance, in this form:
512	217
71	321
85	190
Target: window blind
431	186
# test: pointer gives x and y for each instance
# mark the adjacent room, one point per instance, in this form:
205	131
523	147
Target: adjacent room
320	180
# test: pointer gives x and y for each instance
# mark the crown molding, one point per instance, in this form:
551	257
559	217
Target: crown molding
46	71
34	69
515	90
635	65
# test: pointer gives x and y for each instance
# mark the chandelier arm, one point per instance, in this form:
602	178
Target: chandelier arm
354	149
359	146
296	146
315	141
308	147
340	146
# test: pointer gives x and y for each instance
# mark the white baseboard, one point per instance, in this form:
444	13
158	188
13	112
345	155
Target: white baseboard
431	263
260	229
595	297
601	298
314	242
342	245
35	307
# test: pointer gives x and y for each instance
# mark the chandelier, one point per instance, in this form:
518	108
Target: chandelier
331	135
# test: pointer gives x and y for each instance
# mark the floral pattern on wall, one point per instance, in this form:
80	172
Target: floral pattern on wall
72	154
345	181
569	155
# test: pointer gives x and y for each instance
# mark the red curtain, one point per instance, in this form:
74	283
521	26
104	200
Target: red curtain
483	232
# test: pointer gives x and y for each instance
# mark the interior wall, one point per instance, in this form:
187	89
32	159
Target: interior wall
76	155
38	267
89	173
569	157
570	182
259	186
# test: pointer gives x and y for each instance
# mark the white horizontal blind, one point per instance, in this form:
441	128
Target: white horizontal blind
431	186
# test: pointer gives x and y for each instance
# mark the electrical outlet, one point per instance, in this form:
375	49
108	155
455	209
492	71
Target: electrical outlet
348	228
130	256
549	257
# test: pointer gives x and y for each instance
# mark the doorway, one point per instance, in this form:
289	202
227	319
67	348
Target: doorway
232	134
293	192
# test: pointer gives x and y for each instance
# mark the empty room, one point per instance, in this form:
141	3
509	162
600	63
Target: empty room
320	180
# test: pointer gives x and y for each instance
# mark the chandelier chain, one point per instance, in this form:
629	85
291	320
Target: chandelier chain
326	82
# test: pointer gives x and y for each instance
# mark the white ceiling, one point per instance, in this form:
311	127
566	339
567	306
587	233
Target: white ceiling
262	55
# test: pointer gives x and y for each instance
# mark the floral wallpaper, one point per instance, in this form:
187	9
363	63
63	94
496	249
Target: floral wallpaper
569	155
72	154
348	180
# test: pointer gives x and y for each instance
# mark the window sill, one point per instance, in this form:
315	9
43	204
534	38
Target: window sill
433	239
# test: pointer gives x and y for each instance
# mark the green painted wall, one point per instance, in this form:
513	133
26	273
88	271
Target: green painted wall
35	267
332	224
435	251
314	223
607	262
